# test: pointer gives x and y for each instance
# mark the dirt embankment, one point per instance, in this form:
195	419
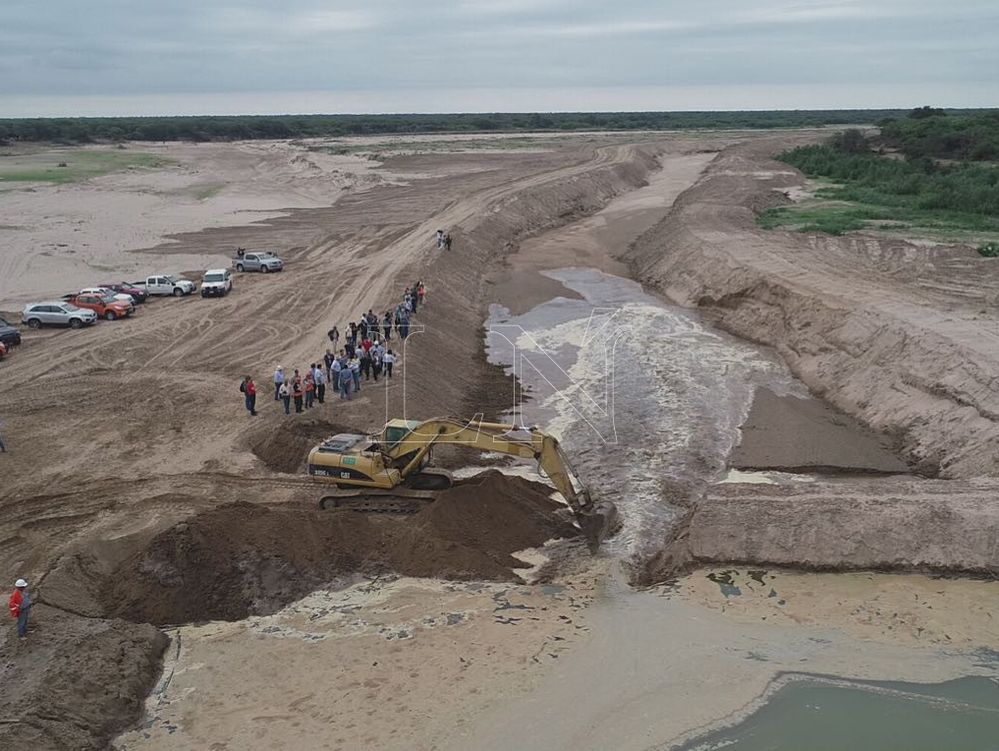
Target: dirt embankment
882	525
446	364
896	334
77	682
245	559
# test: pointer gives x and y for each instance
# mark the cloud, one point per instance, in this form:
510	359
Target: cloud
112	48
613	28
290	23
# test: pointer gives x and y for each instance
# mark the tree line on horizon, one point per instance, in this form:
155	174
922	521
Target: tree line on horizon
84	130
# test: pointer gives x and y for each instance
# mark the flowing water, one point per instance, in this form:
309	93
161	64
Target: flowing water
648	400
645	396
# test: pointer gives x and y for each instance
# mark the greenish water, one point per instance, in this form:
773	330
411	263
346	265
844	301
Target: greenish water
815	714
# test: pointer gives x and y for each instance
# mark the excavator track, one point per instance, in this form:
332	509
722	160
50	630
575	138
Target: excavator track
373	501
419	490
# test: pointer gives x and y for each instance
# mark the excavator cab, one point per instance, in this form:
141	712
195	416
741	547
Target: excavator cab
352	459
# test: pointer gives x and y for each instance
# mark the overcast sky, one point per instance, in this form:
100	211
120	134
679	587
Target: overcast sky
89	57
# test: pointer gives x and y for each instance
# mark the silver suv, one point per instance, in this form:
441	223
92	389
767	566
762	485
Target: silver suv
258	262
57	313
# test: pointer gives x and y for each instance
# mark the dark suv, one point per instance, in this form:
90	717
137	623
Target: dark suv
8	334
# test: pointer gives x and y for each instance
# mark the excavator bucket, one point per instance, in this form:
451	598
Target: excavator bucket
597	520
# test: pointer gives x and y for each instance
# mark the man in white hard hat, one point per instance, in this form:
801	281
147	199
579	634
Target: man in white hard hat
19	604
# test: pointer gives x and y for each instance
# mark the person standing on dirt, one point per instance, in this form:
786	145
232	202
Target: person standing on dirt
3	447
297	392
440	239
310	389
364	363
421	291
346	382
335	373
278	380
19	605
389	360
376	361
415	298
355	372
249	389
334	336
319	376
285	393
447	241
387	325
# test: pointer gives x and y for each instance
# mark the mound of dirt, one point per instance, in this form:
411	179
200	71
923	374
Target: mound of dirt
286	448
242	559
112	664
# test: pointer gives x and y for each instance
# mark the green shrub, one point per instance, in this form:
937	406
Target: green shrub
989	250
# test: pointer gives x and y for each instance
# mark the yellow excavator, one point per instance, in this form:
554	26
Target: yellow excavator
391	472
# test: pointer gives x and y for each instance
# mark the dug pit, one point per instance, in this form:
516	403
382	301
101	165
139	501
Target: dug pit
243	559
286	447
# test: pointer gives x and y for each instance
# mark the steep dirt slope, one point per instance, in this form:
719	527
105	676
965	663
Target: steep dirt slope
899	335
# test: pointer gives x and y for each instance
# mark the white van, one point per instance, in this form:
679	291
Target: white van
216	283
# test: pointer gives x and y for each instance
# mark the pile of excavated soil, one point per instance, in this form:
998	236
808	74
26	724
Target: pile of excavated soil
286	448
242	559
112	664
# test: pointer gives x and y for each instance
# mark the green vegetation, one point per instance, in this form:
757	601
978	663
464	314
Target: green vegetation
867	187
210	128
989	250
66	166
972	138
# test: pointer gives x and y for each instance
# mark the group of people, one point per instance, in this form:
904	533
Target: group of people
443	240
366	355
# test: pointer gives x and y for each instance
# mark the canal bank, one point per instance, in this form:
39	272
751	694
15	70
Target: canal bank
649	399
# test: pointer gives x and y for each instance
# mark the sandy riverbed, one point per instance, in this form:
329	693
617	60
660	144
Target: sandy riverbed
389	663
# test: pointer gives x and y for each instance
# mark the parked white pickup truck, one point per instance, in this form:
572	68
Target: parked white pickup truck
167	285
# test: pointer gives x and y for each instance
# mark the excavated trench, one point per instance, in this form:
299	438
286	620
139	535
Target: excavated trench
244	559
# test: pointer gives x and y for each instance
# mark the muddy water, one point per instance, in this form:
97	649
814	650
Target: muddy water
646	397
648	400
829	715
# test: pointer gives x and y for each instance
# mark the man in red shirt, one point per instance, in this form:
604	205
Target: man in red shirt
249	390
19	604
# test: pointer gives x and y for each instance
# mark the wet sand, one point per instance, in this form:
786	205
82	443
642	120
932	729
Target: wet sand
660	667
791	434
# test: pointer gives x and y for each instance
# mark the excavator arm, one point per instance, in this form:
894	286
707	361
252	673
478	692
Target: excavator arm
596	520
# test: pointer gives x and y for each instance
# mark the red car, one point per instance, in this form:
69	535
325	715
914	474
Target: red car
138	294
104	307
3	350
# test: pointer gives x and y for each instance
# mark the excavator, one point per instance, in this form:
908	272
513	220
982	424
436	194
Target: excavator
391	471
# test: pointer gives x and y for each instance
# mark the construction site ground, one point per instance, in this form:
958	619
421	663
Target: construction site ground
192	596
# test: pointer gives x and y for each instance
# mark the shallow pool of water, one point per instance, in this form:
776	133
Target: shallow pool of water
821	714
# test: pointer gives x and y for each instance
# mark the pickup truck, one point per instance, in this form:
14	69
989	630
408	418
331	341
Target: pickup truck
166	285
264	262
